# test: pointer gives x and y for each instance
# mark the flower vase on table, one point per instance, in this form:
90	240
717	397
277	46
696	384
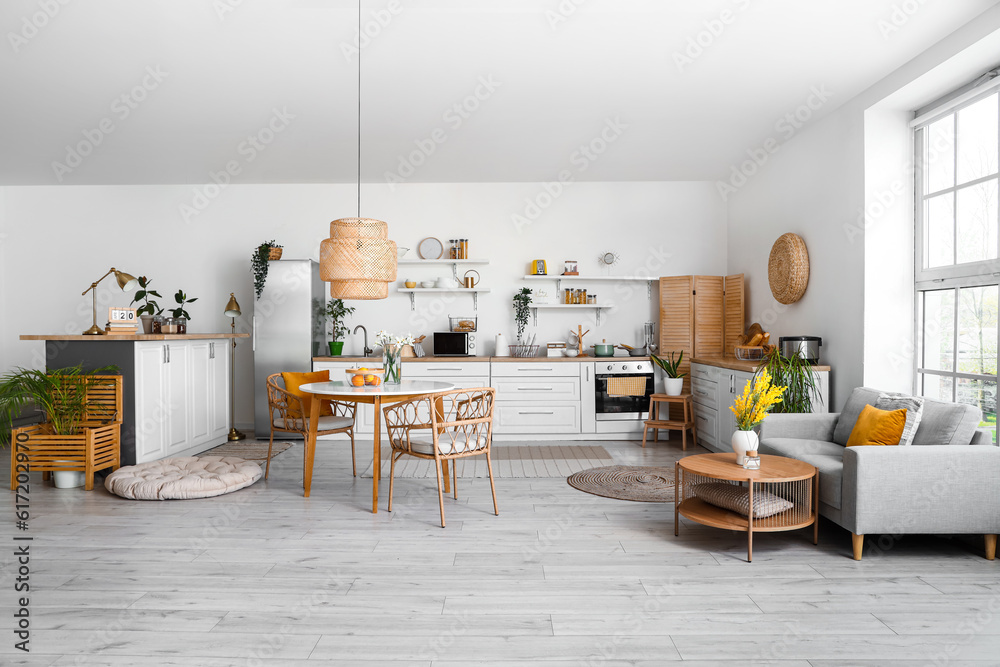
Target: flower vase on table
392	355
750	409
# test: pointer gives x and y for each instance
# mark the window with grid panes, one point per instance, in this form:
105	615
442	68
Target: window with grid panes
957	251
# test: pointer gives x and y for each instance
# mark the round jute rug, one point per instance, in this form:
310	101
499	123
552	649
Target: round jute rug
646	484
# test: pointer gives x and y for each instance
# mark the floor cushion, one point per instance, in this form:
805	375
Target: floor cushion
183	477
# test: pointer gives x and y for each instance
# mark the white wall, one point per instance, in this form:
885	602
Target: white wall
817	185
65	237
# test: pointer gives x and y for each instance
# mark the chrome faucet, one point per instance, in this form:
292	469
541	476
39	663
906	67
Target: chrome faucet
368	350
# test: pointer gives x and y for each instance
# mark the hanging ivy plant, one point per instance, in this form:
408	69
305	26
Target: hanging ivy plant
522	303
258	264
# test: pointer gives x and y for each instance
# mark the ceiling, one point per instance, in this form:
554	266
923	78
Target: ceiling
558	73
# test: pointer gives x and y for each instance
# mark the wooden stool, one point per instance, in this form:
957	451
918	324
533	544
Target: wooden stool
654	422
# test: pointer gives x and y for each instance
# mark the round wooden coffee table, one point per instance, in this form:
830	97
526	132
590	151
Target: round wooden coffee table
781	482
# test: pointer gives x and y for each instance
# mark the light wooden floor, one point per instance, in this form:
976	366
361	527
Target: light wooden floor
267	577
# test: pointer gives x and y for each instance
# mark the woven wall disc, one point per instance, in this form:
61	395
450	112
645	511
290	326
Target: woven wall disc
788	268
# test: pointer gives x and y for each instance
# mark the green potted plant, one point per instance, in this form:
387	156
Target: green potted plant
337	311
180	313
71	419
522	306
673	384
265	252
795	374
149	308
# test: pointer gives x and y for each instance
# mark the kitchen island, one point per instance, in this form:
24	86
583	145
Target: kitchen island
175	387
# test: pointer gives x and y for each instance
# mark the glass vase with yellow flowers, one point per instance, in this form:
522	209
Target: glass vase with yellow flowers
750	409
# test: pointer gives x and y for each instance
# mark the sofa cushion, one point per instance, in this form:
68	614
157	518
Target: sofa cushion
878	427
942	422
828	457
945	423
914	406
856	402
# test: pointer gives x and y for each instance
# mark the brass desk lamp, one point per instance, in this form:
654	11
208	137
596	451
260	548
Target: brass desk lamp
125	282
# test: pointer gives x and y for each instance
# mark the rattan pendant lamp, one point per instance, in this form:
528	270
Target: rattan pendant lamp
358	260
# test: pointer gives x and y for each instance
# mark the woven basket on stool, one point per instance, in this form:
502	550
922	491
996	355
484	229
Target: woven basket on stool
358	260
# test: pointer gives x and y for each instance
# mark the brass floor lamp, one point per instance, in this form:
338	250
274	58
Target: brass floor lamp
233	311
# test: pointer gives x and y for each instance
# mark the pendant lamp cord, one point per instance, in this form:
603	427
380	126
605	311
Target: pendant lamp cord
359	113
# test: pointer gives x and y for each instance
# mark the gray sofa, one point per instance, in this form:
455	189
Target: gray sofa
947	481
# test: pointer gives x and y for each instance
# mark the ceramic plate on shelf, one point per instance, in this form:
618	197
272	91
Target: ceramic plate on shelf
430	248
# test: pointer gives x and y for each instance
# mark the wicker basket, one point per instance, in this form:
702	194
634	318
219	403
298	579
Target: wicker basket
749	353
523	350
274	254
788	268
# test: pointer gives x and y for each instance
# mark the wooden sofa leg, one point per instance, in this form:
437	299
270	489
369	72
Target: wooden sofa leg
991	547
857	543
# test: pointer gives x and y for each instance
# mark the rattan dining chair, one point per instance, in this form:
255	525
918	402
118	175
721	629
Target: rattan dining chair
443	427
286	410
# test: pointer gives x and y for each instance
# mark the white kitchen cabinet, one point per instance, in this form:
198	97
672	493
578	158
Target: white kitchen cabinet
181	397
537	397
715	388
539	417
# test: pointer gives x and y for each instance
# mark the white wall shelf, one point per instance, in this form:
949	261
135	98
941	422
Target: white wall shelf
598	307
455	263
590	279
475	291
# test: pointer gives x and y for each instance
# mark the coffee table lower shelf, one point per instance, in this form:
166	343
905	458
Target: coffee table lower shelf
701	512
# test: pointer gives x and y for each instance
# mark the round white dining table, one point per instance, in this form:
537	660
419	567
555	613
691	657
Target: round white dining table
384	393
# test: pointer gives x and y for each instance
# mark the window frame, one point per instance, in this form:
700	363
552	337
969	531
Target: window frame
955	277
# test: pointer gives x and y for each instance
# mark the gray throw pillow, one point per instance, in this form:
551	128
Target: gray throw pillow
914	406
736	499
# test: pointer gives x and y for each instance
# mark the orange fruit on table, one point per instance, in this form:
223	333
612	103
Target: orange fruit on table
369	379
376	381
363	368
358	381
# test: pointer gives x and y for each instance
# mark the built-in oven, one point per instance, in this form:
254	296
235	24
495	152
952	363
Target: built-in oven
622	389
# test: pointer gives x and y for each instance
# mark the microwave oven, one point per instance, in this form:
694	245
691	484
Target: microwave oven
454	343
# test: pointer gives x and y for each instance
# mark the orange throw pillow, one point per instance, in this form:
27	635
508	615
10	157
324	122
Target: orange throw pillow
878	427
292	383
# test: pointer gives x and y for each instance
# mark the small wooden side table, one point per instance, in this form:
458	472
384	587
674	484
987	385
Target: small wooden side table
654	422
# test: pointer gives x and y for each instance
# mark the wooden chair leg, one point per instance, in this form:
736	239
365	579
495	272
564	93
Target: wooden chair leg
991	547
270	446
354	462
454	479
437	474
493	488
392	473
857	544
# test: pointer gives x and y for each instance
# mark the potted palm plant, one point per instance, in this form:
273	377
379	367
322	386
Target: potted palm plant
795	374
337	311
62	395
673	384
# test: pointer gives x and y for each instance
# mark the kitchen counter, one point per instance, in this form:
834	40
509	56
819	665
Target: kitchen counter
734	364
519	360
132	337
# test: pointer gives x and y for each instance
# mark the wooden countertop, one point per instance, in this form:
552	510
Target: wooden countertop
519	360
734	364
133	337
